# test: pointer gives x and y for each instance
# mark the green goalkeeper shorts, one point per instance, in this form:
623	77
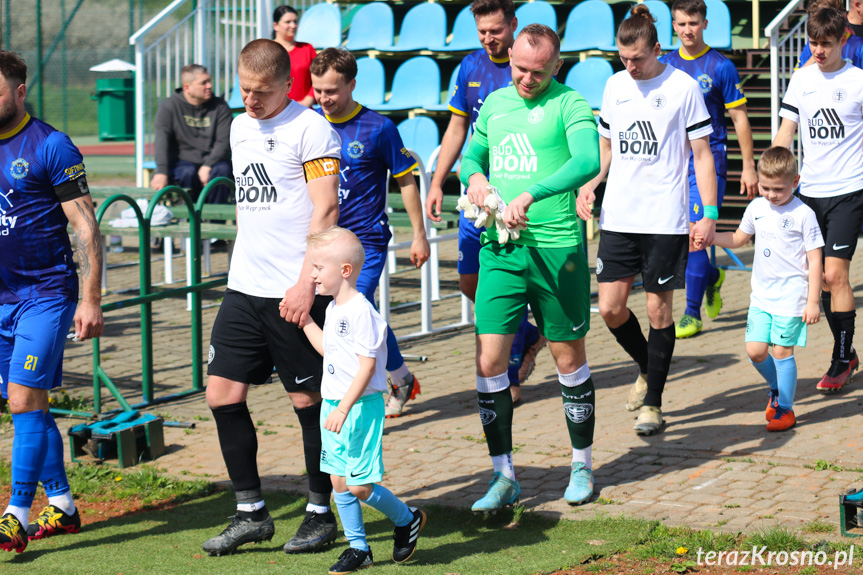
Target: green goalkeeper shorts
554	281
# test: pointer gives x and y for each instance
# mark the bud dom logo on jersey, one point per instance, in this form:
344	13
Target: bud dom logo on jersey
639	139
826	125
514	154
254	186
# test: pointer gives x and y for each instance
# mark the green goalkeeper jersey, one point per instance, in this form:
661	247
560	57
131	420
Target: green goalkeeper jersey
526	142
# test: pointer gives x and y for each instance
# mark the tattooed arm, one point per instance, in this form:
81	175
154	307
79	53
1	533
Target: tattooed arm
88	241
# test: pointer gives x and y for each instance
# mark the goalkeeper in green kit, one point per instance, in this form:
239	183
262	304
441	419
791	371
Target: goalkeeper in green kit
538	142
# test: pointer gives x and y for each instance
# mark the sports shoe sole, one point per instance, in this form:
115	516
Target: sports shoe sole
493	512
414	393
647	432
59	531
831	390
422	525
311	548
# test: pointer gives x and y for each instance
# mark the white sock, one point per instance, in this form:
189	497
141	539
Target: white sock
22	513
63	502
319	509
503	463
583	456
250	507
401	374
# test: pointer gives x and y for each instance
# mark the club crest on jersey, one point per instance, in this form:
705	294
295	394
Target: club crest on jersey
639	139
211	355
271	142
343	328
766	253
578	412
599	266
535	116
785	223
840	95
658	102
20	168
486	416
706	82
356	149
331	369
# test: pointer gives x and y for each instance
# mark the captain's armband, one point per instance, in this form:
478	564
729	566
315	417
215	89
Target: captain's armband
321	167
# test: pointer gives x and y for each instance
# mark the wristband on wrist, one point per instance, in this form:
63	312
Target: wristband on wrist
340	410
711	212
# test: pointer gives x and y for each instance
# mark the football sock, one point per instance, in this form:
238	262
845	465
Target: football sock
503	464
629	336
22	513
239	445
767	369
29	446
319	509
517	350
786	374
844	334
251	505
831	320
579	404
53	476
351	514
387	503
660	346
697	272
495	412
401	373
320	486
583	456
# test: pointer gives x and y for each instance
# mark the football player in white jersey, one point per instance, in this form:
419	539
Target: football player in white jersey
826	101
286	167
652	115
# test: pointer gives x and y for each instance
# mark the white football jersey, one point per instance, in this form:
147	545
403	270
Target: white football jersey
650	124
780	269
828	110
351	329
274	209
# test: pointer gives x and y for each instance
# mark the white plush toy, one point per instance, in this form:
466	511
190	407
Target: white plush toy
497	207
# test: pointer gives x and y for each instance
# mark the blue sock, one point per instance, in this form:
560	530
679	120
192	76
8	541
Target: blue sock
53	476
351	514
786	374
28	456
767	369
697	269
384	501
394	355
527	334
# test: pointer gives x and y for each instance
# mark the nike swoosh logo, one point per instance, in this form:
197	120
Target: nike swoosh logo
809	92
619	102
298	381
836	248
759	217
355	474
578	327
496	116
664	280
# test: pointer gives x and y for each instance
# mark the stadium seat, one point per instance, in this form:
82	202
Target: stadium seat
371	28
369	90
718	32
662	13
588	78
421	135
538	12
445	104
321	26
416	85
589	26
235	102
464	36
424	27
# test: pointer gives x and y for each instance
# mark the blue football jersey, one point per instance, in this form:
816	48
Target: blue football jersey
852	52
35	252
478	77
371	145
720	84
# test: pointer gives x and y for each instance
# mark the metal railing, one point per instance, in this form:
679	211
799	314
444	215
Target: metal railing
785	52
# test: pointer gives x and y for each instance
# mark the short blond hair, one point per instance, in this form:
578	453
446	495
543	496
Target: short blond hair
344	244
777	162
265	59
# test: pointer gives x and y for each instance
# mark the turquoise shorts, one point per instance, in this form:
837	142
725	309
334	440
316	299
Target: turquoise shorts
783	330
356	452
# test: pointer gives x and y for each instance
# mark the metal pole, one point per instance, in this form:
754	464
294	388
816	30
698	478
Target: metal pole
131	27
7	26
64	67
39	98
756	22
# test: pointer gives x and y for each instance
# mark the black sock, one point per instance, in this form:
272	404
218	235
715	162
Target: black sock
252	496
844	334
660	347
831	321
239	445
320	487
629	336
495	413
579	407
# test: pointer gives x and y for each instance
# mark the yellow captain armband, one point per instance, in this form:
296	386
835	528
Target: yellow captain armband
320	168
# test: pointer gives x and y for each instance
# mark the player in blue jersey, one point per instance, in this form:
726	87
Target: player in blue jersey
371	145
720	84
852	50
481	73
42	189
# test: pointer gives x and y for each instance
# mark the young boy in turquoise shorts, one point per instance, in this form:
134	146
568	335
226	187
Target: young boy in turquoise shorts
785	297
353	344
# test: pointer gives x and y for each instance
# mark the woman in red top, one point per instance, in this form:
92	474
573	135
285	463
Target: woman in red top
285	21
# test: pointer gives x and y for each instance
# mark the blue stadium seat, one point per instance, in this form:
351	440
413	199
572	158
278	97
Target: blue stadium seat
662	13
538	12
321	26
445	104
235	102
421	135
718	32
589	26
416	84
424	27
588	78
369	90
464	36
371	28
